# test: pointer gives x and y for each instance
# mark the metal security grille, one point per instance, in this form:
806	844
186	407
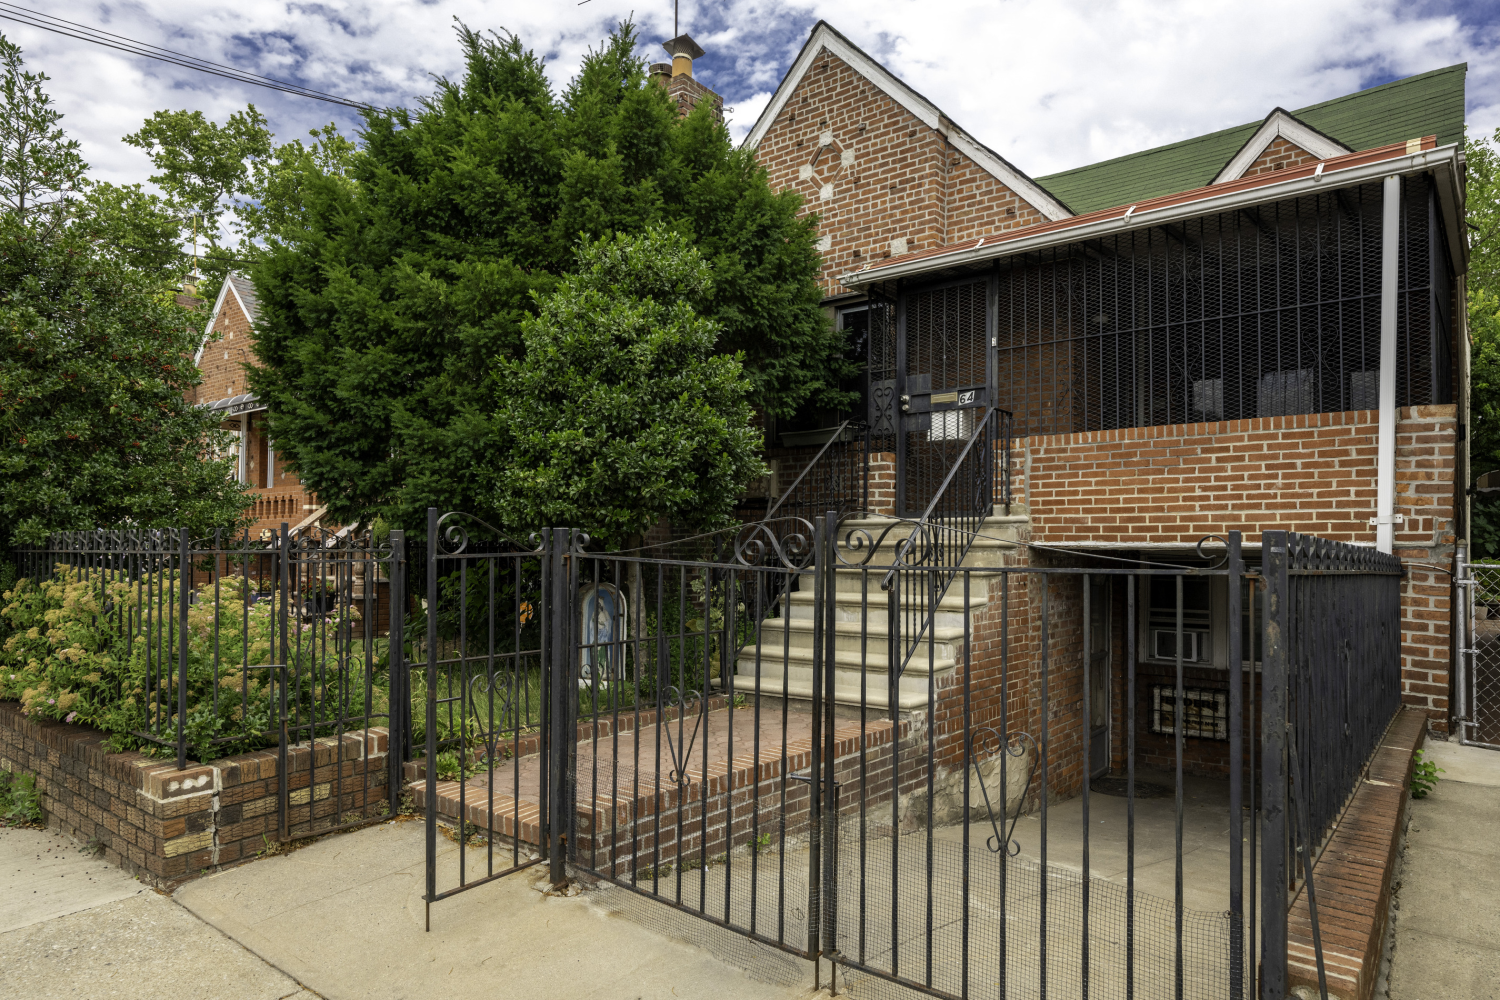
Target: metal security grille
1264	311
943	383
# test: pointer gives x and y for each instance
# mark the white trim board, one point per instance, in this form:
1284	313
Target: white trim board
825	36
1284	125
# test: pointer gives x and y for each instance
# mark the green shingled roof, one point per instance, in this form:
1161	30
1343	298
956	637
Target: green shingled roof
1426	104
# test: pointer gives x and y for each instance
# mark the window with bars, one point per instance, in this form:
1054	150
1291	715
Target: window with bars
1265	311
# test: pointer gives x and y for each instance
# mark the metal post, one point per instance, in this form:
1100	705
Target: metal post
1236	567
815	773
563	689
430	648
183	558
1273	881
398	719
1463	644
283	781
830	882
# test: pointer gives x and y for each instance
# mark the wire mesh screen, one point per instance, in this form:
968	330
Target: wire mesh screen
1483	678
1265	311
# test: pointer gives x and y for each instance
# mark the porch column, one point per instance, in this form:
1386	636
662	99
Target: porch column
244	447
1385	468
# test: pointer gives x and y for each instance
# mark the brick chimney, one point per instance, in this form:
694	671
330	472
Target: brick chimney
678	77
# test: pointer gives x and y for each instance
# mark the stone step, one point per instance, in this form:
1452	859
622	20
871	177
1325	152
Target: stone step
795	681
849	636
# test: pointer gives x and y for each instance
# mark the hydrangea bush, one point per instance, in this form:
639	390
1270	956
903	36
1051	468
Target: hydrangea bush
99	653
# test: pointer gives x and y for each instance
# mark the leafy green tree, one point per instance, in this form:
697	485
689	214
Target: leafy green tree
1482	212
41	170
620	412
402	282
95	355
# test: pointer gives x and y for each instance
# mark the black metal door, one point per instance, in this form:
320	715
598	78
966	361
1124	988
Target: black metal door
944	382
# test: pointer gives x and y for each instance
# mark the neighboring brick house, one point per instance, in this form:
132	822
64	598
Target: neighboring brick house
1190	338
225	351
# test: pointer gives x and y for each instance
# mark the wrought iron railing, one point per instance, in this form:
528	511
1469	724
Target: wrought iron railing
930	555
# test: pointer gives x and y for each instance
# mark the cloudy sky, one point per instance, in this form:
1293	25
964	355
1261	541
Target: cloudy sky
1050	84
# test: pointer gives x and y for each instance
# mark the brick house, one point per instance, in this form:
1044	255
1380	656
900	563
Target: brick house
222	356
1260	328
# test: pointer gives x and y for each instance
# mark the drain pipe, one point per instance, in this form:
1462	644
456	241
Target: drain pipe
1385	518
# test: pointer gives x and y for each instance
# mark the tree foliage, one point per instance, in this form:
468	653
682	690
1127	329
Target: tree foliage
1482	212
95	355
407	277
620	413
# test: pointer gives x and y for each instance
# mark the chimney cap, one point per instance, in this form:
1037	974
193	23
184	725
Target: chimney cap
683	45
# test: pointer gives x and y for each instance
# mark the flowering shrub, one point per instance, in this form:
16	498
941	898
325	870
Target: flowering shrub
91	652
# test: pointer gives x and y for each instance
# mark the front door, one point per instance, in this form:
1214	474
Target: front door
1098	676
944	382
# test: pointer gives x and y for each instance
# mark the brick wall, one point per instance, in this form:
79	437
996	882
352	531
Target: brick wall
162	824
874	173
1281	154
1312	473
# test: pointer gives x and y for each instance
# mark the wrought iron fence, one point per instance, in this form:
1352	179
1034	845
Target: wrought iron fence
208	647
1331	683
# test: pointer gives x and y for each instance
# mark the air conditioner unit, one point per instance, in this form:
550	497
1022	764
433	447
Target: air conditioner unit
1164	645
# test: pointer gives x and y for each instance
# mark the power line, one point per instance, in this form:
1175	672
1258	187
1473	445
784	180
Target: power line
70	29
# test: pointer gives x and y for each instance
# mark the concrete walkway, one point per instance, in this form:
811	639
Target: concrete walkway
1447	905
74	926
342	918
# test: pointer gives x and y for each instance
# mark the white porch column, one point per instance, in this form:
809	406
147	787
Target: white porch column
1385	467
244	447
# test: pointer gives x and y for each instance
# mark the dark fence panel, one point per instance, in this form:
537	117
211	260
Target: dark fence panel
1332	684
222	645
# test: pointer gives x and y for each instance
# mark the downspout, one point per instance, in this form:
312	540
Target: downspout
1385	465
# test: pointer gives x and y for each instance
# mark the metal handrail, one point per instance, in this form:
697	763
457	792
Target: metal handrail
940	581
838	435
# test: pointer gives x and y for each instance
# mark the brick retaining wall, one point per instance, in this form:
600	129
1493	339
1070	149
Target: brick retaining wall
161	824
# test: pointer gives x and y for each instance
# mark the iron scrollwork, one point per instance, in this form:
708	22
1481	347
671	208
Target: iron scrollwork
989	740
681	751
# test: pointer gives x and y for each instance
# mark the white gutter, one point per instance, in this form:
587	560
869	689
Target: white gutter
1385	463
1145	218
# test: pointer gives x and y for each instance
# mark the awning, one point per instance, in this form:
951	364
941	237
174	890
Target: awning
235	405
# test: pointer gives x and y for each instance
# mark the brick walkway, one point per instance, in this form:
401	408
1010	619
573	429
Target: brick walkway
636	772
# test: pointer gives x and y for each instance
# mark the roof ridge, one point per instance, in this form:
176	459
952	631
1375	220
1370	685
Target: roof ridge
1223	132
1383	86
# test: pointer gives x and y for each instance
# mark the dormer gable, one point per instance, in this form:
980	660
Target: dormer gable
1282	139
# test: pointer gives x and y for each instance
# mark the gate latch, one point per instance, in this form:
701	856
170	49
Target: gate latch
1393	519
905	404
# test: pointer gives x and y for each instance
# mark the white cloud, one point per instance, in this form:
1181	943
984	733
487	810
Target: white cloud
746	111
1049	84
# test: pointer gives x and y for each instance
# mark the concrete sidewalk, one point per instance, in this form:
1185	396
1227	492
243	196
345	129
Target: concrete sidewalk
342	918
1446	909
72	925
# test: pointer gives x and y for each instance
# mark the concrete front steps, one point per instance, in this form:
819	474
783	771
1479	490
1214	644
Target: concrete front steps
781	663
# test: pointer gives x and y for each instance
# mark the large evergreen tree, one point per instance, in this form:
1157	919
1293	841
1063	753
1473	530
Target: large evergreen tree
405	279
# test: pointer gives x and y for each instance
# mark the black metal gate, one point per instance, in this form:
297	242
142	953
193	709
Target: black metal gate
735	725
